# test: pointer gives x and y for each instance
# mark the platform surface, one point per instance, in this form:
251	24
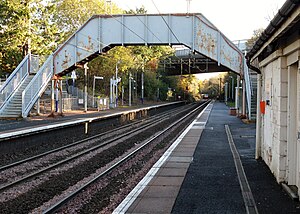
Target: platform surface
199	174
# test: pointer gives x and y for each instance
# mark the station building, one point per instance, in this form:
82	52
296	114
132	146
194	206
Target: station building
275	57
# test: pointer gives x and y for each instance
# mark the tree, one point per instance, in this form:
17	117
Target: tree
26	25
141	10
253	39
71	14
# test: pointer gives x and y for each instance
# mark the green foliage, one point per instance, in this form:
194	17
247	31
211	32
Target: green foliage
40	25
141	10
253	39
71	14
24	25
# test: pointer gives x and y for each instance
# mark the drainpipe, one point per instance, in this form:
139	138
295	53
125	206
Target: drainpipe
251	66
258	119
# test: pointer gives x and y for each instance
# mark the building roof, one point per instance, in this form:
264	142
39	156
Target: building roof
283	14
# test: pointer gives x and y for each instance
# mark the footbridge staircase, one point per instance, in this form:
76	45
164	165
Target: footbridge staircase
103	32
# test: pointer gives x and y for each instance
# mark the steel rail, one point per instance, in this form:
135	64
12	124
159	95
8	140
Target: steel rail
59	204
84	140
80	154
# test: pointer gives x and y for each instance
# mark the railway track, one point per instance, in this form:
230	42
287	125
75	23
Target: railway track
48	160
81	170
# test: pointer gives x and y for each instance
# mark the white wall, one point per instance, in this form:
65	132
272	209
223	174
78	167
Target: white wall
274	122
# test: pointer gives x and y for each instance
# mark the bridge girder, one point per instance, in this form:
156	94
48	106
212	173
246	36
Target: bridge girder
103	32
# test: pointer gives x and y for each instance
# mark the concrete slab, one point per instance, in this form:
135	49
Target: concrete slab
172	172
183	153
182	148
166	191
151	206
190	141
167	181
193	133
180	159
174	164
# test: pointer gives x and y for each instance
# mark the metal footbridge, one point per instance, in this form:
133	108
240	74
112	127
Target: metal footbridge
103	32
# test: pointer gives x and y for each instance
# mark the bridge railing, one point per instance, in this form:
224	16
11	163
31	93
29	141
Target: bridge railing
37	86
14	80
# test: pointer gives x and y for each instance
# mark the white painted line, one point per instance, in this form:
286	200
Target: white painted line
249	201
198	127
132	196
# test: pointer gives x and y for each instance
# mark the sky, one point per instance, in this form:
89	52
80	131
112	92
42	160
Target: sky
236	19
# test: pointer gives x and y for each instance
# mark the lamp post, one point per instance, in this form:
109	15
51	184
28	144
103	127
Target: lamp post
129	91
85	86
142	80
117	81
95	78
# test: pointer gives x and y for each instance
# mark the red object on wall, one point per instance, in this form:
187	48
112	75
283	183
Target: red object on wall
262	107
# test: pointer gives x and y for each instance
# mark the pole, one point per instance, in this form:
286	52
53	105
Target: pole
61	97
29	32
111	93
220	89
94	92
142	80
56	97
52	97
232	88
188	6
129	92
38	106
117	84
226	92
258	119
85	87
237	94
122	95
244	98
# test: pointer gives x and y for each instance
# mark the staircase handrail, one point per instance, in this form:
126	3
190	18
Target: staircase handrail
37	86
14	80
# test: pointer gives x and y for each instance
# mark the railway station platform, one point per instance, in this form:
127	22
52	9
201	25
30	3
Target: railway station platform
11	125
211	168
